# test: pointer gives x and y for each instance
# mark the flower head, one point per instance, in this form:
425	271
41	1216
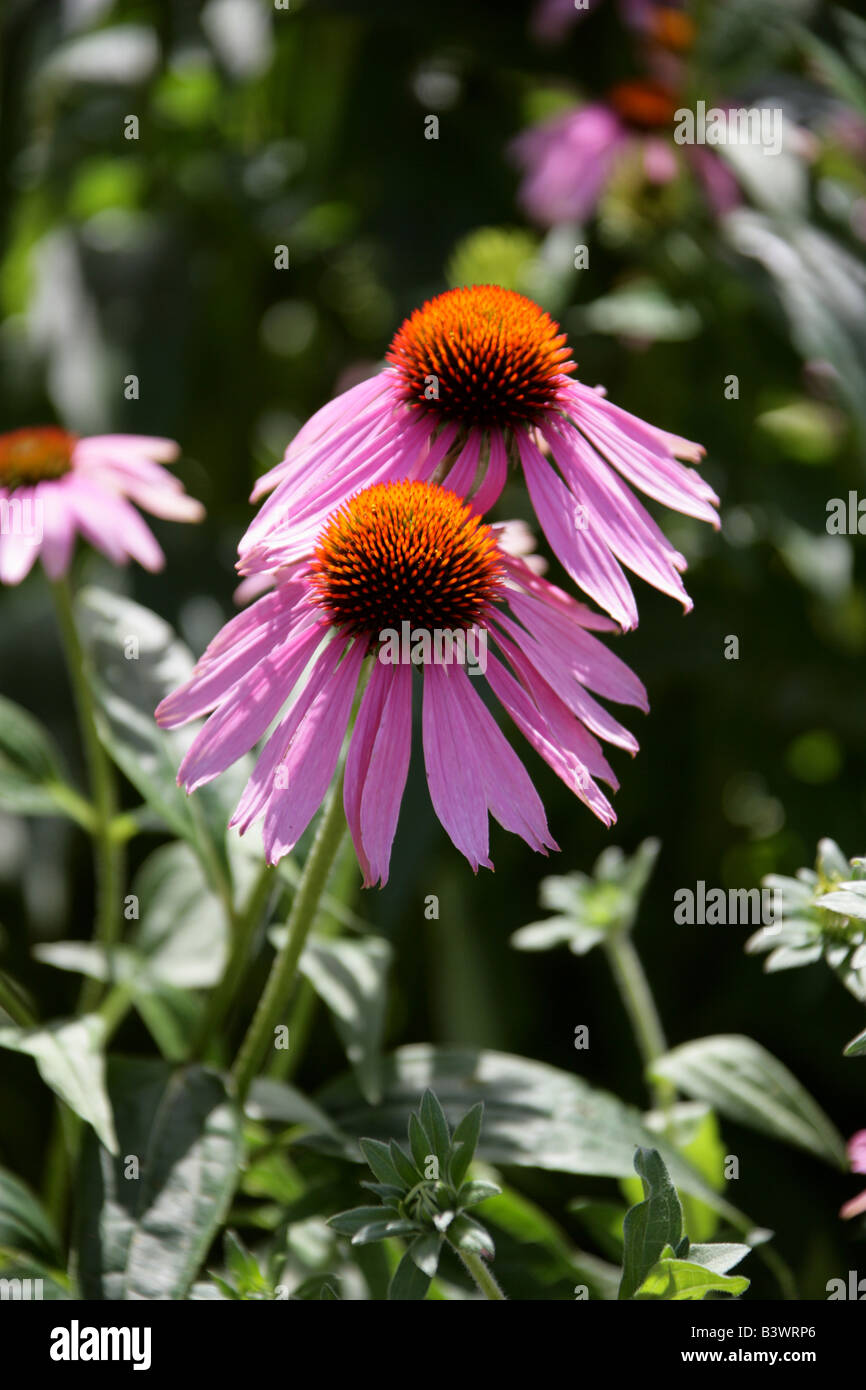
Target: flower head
407	575
54	485
480	378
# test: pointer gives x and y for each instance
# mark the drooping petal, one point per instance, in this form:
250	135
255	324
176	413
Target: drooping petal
308	762
511	797
453	770
583	556
377	767
243	717
254	634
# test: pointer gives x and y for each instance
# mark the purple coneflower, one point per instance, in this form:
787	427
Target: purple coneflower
54	485
480	377
568	161
406	558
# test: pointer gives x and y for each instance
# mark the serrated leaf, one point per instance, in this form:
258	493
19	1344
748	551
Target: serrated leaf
748	1084
145	1238
69	1058
650	1225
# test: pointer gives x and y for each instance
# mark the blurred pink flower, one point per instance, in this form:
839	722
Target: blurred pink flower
857	1159
552	19
479	378
410	555
54	486
568	161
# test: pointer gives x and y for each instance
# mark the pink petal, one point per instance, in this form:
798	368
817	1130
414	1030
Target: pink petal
453	771
377	767
309	760
585	558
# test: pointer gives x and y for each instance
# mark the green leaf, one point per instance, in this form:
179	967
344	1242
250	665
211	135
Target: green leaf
145	1237
32	780
406	1169
68	1055
383	1228
418	1142
24	1225
471	1193
719	1257
348	1223
409	1283
857	1046
424	1251
277	1100
677	1280
468	1235
56	1286
535	1116
128	690
436	1125
182	932
378	1156
318	1288
466	1135
748	1084
351	977
652	1224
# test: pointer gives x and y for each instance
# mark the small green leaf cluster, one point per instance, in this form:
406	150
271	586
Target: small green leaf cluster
424	1196
589	908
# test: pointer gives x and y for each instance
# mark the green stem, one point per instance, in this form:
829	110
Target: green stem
482	1275
108	850
244	929
640	1006
274	1001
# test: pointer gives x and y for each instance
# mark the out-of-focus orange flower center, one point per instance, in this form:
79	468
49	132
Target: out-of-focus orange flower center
400	552
481	355
645	104
34	455
672	28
